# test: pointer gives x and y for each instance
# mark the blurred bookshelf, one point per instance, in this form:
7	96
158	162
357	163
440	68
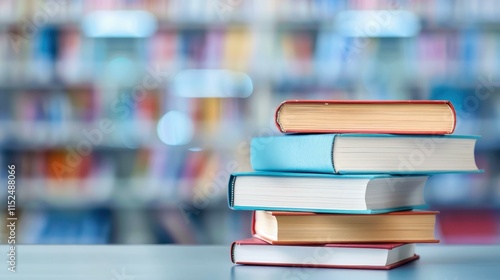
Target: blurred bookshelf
58	85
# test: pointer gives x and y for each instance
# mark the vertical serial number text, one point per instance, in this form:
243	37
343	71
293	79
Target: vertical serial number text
11	217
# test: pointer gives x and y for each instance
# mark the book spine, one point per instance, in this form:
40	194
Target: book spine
277	117
252	227
232	252
293	153
230	189
454	113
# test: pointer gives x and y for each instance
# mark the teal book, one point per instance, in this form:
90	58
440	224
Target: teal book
325	193
365	154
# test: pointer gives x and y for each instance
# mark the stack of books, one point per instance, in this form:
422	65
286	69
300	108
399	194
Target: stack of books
349	200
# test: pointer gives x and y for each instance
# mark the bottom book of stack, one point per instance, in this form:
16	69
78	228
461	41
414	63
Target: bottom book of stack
254	251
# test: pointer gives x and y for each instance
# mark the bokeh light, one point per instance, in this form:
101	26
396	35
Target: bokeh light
175	128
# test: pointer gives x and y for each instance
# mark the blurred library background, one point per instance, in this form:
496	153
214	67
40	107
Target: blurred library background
124	118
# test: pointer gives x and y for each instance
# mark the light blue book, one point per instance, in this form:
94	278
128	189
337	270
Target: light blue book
325	193
365	154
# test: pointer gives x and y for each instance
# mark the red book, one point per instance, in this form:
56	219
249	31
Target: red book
354	116
299	228
254	251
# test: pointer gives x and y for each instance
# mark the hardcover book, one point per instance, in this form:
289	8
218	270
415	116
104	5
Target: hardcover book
346	116
254	251
329	193
364	154
315	228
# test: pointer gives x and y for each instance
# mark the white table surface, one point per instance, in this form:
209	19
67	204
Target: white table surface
135	262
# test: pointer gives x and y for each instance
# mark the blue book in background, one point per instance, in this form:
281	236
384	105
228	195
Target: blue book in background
365	154
325	193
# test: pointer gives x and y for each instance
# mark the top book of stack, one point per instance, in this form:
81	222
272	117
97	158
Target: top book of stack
392	117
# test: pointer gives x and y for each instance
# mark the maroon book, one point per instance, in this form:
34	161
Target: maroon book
366	116
254	251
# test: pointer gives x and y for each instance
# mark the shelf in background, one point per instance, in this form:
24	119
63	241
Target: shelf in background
277	83
132	134
59	134
53	86
95	193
